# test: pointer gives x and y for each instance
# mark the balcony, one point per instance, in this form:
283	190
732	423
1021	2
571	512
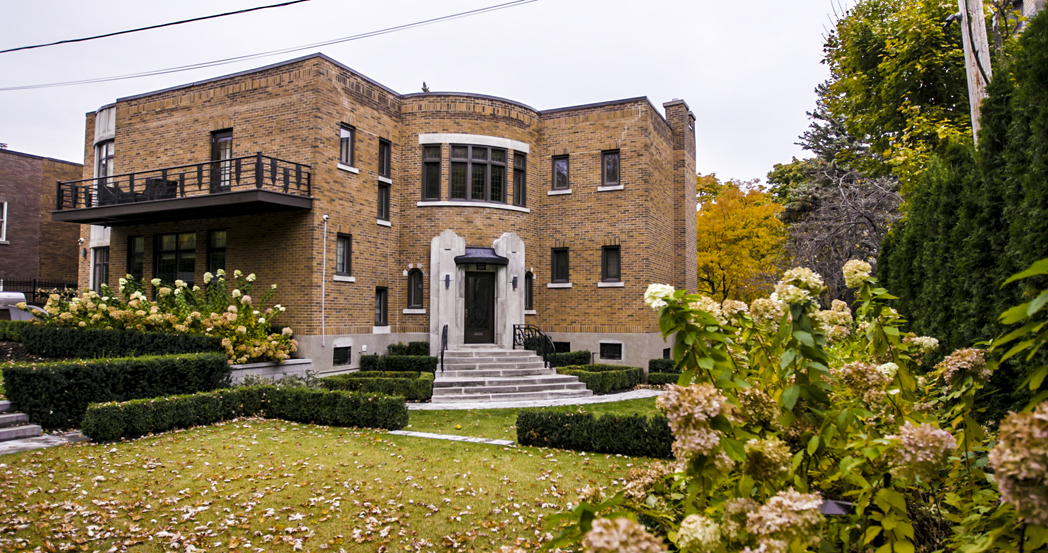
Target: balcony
239	186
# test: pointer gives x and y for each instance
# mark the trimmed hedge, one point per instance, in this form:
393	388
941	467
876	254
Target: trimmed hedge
56	394
634	436
11	331
667	366
399	363
71	343
112	421
412	386
603	379
412	348
658	379
571	358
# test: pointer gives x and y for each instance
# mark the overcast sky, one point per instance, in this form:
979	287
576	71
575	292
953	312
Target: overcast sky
746	68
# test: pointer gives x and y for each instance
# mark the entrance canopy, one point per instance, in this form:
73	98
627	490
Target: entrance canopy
480	255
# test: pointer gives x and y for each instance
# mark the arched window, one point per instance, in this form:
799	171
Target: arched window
415	289
529	291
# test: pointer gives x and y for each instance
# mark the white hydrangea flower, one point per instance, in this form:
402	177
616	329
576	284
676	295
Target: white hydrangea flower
208	277
220	273
155	282
888	369
698	533
251	277
180	283
655	294
237	273
237	293
856	272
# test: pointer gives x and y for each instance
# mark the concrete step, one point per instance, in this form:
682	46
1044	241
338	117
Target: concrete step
513	389
524	396
13	419
489	353
497	381
4	405
19	432
491	373
493	359
490	366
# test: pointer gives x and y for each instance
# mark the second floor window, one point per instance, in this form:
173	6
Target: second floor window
343	254
345	153
610	168
431	173
560	266
478	173
221	154
611	264
520	179
3	221
104	159
136	256
560	173
383	201
385	152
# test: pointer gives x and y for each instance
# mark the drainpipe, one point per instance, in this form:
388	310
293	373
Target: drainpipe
323	285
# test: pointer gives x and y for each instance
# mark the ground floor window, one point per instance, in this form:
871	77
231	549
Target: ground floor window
665	353
529	291
100	268
611	351
415	289
136	256
343	254
381	307
562	347
176	257
342	356
216	251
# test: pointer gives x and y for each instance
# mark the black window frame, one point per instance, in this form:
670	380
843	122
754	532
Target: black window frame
344	255
605	263
431	166
567	172
342	356
381	306
560	269
561	347
347	143
520	179
104	154
136	260
415	294
611	355
221	158
470	161
604	155
212	249
383	201
529	291
385	158
99	268
180	256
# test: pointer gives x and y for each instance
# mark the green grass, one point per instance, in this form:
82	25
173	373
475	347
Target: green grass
500	424
256	484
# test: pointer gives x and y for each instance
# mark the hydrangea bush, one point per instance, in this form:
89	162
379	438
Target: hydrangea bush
225	309
783	407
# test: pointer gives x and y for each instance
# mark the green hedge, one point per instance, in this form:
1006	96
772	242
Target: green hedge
658	379
112	421
72	343
668	366
603	379
412	386
412	348
571	358
634	436
11	331
399	363
56	394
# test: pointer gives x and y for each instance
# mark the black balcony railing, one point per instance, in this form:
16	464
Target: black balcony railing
257	172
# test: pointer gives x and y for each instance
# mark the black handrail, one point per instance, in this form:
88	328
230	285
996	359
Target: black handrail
532	337
443	346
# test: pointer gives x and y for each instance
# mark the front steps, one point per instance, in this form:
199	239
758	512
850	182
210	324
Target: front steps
488	373
15	426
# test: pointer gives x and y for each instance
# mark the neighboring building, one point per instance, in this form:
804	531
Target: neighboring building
32	246
384	217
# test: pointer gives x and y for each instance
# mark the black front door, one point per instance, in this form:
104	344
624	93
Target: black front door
480	308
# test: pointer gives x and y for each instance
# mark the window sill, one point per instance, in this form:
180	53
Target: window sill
383	223
609	188
348	168
530	312
611	284
414	311
4	242
345	278
380	329
386	180
464	203
559	285
558	192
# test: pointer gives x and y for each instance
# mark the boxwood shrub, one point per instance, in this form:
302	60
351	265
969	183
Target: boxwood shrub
412	348
658	379
571	358
413	386
11	331
667	366
56	394
634	435
112	421
94	343
399	363
603	379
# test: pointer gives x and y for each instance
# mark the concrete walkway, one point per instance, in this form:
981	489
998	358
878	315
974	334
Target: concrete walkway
40	442
609	398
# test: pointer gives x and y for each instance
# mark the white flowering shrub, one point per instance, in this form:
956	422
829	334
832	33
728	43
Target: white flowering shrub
244	323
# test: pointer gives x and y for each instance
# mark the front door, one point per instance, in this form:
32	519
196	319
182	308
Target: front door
480	308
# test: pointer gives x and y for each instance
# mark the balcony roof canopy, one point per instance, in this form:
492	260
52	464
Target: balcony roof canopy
481	255
227	204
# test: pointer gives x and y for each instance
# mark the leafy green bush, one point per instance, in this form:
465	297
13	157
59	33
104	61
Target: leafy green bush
603	379
112	421
634	436
90	343
658	379
10	331
667	366
412	348
56	395
571	358
412	386
399	363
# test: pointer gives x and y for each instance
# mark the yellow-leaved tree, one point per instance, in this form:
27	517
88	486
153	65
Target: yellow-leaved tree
740	239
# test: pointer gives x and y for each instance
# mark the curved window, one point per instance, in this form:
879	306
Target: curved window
529	291
415	289
478	173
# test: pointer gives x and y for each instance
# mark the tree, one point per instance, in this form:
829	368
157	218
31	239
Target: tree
740	239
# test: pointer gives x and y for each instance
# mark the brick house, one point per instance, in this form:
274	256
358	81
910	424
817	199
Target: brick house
383	217
32	245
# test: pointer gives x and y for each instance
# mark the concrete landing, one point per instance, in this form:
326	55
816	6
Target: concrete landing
41	442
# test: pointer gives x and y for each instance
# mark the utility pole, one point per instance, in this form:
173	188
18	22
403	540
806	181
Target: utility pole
976	57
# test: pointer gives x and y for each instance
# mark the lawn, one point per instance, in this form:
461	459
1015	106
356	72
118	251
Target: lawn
264	485
501	423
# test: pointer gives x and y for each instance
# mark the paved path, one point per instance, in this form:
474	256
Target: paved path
469	439
635	394
40	442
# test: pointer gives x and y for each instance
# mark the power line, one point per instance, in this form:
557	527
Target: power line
226	61
69	41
